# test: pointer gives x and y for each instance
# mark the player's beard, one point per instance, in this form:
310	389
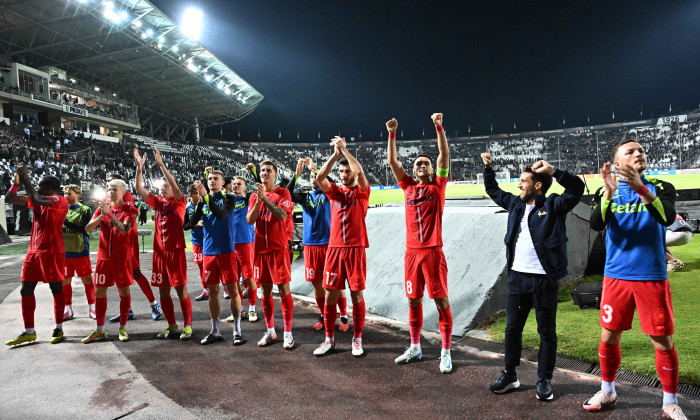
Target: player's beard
527	197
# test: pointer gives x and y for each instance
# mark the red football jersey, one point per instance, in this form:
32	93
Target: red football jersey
47	226
170	216
271	234
348	211
113	244
425	204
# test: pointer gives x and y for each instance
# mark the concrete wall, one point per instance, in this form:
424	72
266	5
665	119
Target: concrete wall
473	235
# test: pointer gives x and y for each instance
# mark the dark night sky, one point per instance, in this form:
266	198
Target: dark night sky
350	66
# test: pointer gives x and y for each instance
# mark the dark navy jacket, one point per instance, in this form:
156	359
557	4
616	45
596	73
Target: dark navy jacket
546	221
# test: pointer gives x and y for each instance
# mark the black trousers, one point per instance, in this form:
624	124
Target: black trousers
526	291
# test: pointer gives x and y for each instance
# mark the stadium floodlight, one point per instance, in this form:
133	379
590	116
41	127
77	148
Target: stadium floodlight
143	36
149	32
161	39
208	77
191	23
123	15
108	5
137	23
160	46
175	48
220	85
227	91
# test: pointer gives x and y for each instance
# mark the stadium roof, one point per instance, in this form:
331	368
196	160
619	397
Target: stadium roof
129	47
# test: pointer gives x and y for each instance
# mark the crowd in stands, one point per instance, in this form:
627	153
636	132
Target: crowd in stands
70	156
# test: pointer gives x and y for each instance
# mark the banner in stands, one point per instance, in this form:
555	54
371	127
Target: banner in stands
385	187
75	110
672	119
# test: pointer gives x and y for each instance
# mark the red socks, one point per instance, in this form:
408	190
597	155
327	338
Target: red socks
415	322
28	308
610	357
268	311
358	318
186	306
89	293
445	323
68	294
59	305
321	302
124	306
166	305
252	296
329	316
201	275
145	288
101	310
287	312
667	369
343	306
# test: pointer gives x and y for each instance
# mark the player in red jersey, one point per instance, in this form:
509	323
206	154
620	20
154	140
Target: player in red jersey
45	256
115	218
269	209
139	278
169	260
345	258
424	263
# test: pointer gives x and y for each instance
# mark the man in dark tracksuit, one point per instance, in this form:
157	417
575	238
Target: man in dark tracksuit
536	256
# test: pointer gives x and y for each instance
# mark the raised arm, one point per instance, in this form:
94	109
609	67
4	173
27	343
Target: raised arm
36	199
322	175
391	155
167	175
443	160
339	142
500	197
573	186
143	192
296	197
11	197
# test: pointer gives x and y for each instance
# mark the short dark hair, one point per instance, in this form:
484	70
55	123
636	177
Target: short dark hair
52	182
267	162
544	179
115	176
191	189
217	172
618	145
228	180
423	156
343	161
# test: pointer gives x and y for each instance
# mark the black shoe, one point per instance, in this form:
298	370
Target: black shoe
506	382
544	390
116	318
203	296
210	339
237	340
244	314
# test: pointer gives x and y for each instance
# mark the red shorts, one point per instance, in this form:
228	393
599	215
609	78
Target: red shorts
197	254
135	262
169	268
425	267
314	262
109	273
651	298
220	268
43	267
245	254
273	267
345	264
77	266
